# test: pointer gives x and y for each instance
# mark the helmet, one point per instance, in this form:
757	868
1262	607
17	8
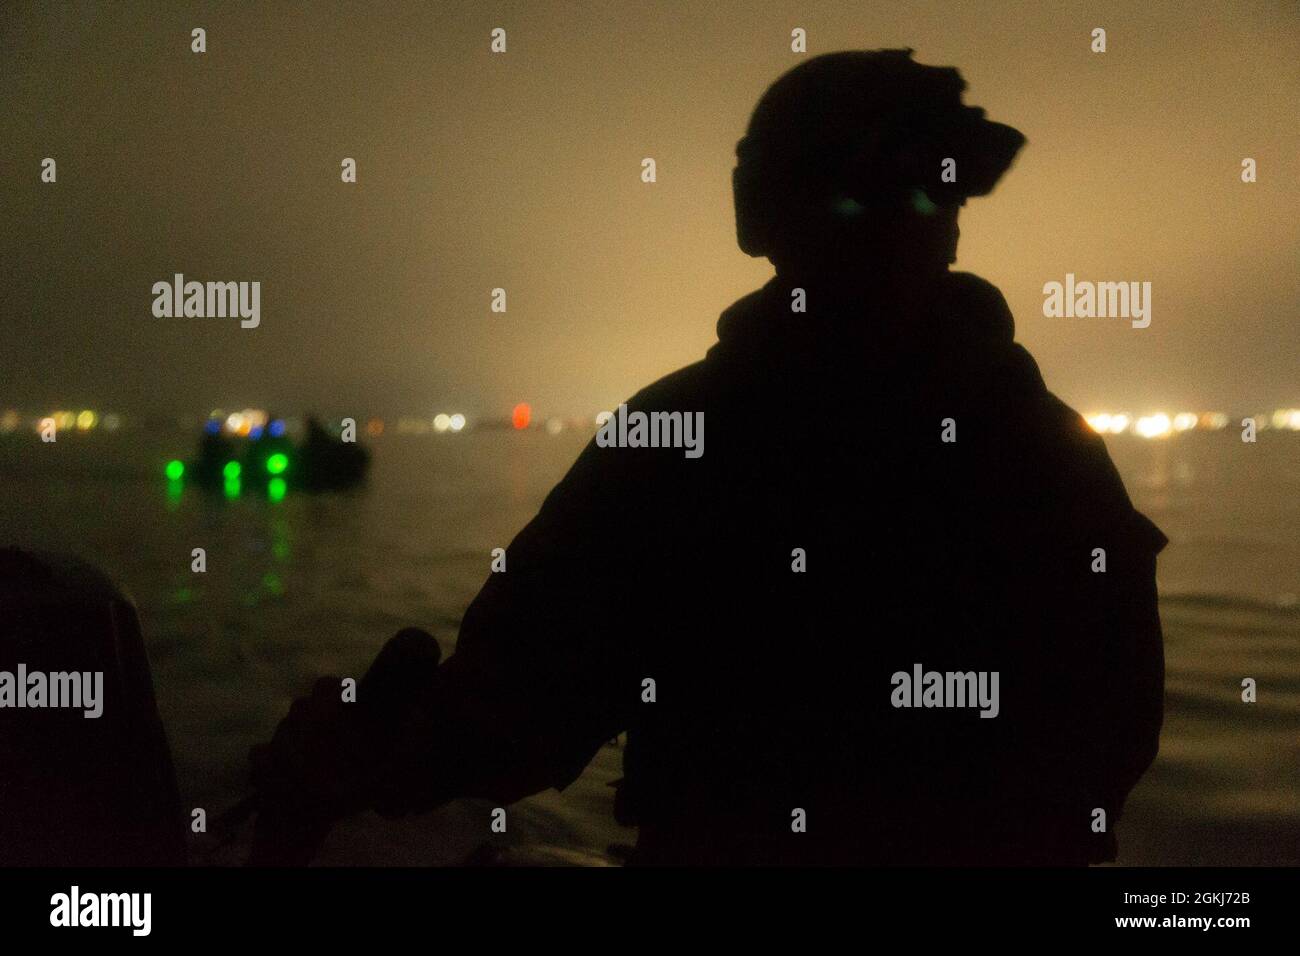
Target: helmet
862	130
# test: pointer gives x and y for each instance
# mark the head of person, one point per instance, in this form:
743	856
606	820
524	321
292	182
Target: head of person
855	165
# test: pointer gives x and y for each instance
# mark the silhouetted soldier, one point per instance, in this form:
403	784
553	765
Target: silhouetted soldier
829	430
326	462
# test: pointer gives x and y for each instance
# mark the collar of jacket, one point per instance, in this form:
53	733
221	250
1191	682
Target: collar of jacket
965	332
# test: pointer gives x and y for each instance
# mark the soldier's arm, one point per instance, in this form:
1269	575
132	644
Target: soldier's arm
541	676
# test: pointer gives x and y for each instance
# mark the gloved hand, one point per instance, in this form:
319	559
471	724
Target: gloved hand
328	758
316	770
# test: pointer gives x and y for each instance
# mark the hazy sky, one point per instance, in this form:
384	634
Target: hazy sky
522	171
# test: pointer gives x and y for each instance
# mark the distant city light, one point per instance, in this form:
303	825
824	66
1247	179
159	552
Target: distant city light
175	470
277	463
1153	426
254	424
242	423
1098	422
443	422
1288	418
1160	425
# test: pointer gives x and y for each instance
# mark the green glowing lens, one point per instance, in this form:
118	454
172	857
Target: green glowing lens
175	470
923	203
277	463
233	487
848	207
275	489
231	471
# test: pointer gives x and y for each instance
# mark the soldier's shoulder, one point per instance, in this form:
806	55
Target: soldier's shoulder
972	284
682	390
980	304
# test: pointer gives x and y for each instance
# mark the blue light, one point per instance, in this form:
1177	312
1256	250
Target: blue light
255	432
277	428
212	427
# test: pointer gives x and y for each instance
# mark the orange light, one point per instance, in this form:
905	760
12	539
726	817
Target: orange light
521	416
375	426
